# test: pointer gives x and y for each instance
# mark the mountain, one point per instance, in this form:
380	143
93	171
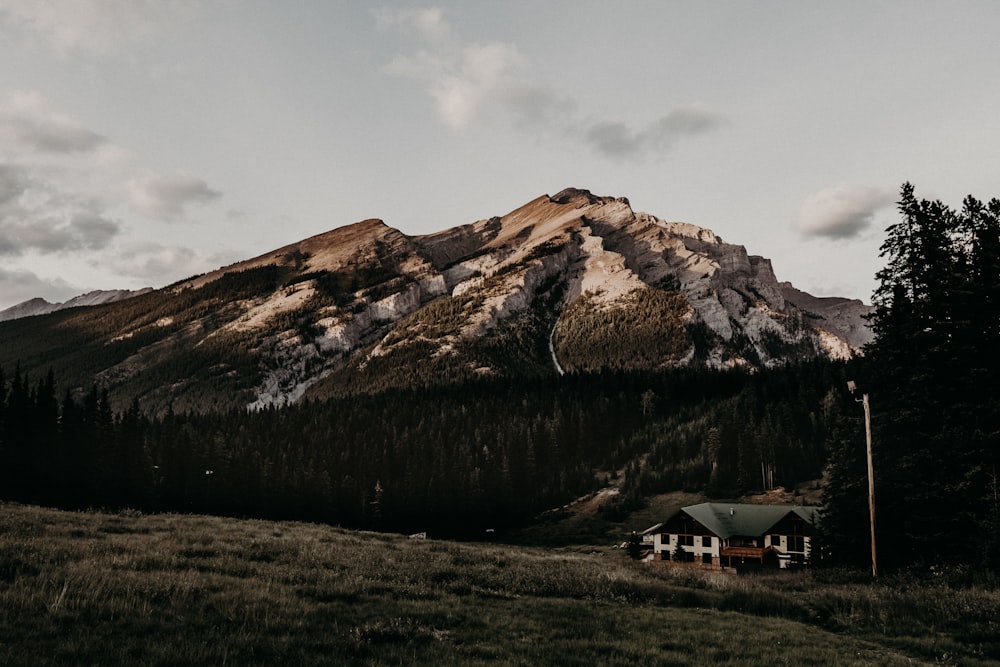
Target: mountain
567	283
39	306
844	318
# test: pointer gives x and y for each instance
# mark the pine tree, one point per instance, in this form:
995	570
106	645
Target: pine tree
934	408
844	533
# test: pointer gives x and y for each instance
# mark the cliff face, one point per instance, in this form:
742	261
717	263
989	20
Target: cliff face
604	285
564	283
844	318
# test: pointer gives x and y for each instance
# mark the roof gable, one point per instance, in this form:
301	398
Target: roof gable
729	519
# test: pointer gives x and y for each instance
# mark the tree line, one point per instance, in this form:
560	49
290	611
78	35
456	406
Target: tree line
931	375
452	460
771	431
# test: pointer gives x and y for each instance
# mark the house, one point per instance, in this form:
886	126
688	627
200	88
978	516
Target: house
730	535
649	535
640	545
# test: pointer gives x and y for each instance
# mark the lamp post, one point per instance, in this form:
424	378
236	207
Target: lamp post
871	470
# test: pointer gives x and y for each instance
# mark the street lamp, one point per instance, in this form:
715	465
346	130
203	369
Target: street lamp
853	388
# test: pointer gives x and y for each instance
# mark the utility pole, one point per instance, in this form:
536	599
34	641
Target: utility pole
871	471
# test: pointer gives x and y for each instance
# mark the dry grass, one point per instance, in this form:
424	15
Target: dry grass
97	588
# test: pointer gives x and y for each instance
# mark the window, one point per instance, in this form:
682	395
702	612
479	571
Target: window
706	541
776	540
796	543
706	559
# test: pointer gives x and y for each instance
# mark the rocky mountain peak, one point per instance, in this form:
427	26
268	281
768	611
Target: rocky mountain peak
580	197
571	282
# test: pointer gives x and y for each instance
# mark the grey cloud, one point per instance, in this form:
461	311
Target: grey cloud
96	26
40	217
462	77
466	79
534	105
153	262
166	196
615	139
85	231
841	212
158	264
13	183
44	235
428	23
94	231
26	123
54	136
461	81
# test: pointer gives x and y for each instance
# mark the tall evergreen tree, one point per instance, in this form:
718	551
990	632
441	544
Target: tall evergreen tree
934	415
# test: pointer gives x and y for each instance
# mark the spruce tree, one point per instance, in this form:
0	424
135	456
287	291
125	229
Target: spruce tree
928	371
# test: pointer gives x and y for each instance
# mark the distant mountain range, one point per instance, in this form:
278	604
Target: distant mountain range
39	306
565	283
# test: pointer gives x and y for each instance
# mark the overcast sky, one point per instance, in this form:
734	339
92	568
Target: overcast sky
143	141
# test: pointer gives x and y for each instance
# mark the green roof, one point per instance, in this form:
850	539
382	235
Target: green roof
728	519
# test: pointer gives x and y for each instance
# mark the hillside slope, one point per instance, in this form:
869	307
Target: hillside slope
137	588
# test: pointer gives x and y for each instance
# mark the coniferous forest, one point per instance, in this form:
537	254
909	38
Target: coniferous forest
455	461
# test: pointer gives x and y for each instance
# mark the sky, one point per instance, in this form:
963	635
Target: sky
145	141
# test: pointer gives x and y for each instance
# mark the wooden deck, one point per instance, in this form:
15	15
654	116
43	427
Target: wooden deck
744	552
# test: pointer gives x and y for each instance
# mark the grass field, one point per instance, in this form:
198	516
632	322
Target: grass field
110	589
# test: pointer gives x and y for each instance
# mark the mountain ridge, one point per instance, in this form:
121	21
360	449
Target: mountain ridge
572	282
40	306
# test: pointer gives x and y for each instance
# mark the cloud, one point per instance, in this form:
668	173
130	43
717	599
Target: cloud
64	189
166	196
466	78
615	139
478	76
428	23
37	216
159	264
48	235
61	158
26	123
534	106
96	26
842	211
460	78
14	182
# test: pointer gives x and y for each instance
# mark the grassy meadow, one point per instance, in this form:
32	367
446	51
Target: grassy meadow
110	589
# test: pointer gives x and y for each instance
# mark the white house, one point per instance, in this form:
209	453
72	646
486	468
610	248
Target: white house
732	535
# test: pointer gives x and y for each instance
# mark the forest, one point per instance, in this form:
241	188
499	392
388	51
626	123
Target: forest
455	461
